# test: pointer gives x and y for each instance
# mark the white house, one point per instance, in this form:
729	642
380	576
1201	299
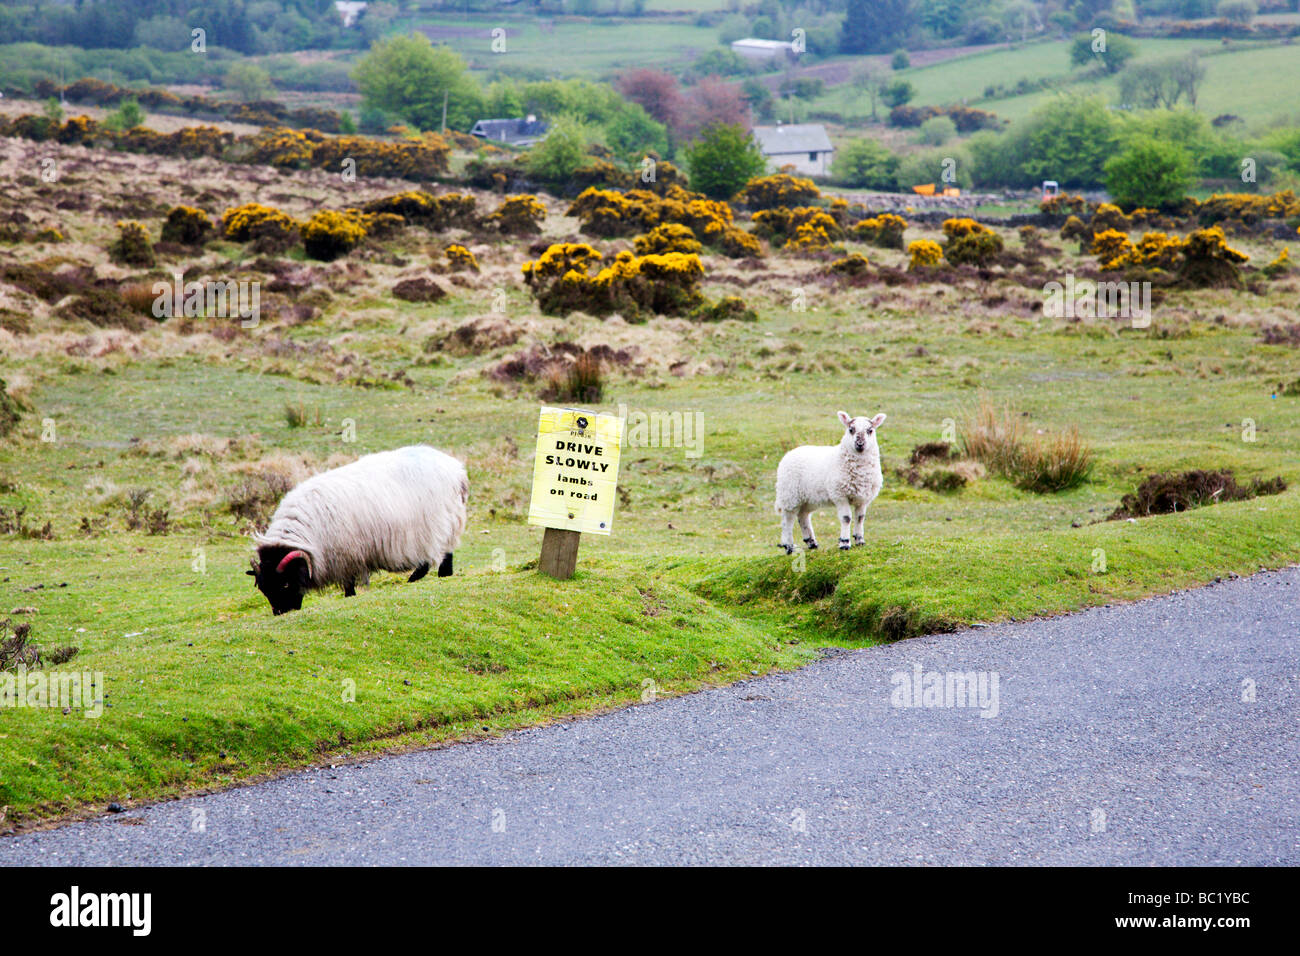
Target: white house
349	10
755	49
805	146
514	132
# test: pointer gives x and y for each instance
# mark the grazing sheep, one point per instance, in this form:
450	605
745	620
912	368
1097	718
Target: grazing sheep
846	475
393	511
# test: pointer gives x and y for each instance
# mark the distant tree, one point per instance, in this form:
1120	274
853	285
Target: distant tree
723	159
943	18
633	133
900	60
943	167
1149	173
714	102
871	83
937	130
865	164
376	20
1162	83
409	76
502	100
982	30
1088	12
53	110
722	62
162	33
1237	11
1189	73
1068	138
874	26
897	93
248	81
758	96
562	153
804	87
657	93
128	115
1111	50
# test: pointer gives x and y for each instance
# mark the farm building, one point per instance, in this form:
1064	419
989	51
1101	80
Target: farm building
804	146
754	49
512	132
350	11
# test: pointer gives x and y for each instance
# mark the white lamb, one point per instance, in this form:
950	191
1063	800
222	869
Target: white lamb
846	475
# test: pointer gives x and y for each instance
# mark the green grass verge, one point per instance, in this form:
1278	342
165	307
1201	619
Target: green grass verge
203	688
908	588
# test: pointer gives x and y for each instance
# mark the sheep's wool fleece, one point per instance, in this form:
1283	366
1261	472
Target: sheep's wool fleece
813	476
391	511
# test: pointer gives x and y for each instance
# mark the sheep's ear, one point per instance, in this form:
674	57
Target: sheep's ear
845	418
878	420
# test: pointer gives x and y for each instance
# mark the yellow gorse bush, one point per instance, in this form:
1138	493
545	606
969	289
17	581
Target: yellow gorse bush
186	225
1112	248
518	216
609	213
461	259
884	230
1248	207
329	234
924	253
667	237
970	242
782	189
636	286
245	222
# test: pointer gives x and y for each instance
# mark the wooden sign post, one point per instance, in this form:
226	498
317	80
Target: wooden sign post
575	480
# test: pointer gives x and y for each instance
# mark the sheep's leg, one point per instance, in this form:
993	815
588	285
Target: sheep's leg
350	588
444	569
787	531
845	511
859	518
418	573
805	524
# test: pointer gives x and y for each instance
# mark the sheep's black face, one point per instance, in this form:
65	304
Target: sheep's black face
283	588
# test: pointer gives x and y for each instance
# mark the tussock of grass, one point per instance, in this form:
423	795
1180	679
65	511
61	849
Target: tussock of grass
996	437
582	380
1171	493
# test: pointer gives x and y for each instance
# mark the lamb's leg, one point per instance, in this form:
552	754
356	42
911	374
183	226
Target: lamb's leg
859	518
805	524
845	511
418	573
787	531
350	589
444	569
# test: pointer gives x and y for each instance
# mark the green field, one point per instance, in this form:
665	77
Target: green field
596	48
204	687
1252	83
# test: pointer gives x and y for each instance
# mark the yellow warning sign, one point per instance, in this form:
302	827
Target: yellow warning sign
575	476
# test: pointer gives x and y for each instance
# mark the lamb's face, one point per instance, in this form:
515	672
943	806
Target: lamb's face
859	433
283	583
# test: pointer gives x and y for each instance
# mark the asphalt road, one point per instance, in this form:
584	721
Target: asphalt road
1122	735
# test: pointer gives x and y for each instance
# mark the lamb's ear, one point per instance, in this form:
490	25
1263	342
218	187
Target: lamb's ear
878	420
845	418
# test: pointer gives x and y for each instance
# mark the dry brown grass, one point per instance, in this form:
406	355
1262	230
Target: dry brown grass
996	437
